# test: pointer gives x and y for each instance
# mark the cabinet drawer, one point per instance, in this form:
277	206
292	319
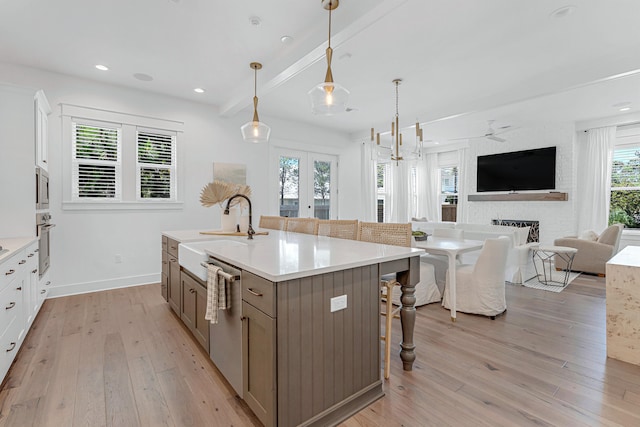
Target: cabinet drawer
172	247
165	243
259	292
9	345
12	268
11	304
165	263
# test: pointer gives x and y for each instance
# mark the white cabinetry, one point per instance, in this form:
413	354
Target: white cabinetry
17	310
42	111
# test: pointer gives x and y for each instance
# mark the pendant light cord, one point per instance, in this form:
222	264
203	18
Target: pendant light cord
255	81
397	83
329	38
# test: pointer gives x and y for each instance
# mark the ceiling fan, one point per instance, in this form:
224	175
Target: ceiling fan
491	133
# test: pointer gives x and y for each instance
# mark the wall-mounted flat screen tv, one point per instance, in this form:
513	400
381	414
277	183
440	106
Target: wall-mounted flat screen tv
518	170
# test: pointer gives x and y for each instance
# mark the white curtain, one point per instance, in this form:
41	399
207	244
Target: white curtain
400	194
368	181
463	187
428	188
594	179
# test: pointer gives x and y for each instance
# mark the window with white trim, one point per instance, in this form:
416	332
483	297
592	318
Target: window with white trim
115	160
383	190
97	161
156	165
625	185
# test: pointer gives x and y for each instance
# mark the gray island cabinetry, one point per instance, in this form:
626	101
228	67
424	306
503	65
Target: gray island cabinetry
310	323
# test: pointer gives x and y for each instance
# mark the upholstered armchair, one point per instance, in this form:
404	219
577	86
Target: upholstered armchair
592	255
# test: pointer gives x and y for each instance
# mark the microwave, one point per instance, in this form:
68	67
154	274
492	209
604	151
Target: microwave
42	189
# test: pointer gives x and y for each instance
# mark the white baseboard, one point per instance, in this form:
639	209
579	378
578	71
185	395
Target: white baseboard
102	285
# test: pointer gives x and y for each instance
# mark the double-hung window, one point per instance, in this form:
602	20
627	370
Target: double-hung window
156	165
625	185
383	189
97	160
115	160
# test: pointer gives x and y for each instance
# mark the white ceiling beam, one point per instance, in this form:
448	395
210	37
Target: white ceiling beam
243	98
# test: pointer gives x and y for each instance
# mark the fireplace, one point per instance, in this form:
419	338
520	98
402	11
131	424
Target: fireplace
534	231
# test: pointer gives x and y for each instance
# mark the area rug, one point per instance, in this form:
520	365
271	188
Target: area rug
558	276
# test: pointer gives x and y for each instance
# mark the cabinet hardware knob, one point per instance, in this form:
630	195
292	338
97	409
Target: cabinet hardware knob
10	272
36	250
48	283
30	255
22	262
11	305
243	318
44	161
35	270
252	292
193	291
19	288
42	291
11	347
164	262
173	247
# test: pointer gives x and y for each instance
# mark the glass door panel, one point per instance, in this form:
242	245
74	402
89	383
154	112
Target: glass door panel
289	189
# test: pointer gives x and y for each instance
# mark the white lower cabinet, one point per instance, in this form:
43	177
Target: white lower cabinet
19	301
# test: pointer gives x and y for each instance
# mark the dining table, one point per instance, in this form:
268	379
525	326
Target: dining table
451	248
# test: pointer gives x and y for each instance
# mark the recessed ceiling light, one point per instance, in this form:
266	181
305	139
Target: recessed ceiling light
198	90
286	39
102	67
563	12
625	109
143	77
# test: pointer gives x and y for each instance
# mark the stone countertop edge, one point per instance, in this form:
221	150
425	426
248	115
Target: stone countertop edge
14	244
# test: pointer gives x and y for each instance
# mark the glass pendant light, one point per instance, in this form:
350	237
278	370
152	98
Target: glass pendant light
329	98
255	130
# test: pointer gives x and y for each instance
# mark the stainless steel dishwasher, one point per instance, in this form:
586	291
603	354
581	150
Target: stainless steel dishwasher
225	346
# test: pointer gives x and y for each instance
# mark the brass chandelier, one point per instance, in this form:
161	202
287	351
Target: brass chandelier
394	151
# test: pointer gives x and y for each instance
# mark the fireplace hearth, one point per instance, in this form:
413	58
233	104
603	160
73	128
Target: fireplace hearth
534	231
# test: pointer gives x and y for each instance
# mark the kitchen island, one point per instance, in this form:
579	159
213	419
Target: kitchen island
311	321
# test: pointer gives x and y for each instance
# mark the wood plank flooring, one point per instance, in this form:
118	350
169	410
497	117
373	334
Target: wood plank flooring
122	358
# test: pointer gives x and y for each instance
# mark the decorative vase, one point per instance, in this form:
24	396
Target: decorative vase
229	221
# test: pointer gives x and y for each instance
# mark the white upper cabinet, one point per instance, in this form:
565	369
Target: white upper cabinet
42	111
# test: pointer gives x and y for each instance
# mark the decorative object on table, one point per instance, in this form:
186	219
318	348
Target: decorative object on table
218	192
419	236
328	97
395	152
255	131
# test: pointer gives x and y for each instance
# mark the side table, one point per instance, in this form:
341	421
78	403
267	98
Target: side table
546	255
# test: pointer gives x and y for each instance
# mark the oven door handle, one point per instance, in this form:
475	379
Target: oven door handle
46	226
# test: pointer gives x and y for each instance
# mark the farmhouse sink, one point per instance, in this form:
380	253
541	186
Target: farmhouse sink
191	255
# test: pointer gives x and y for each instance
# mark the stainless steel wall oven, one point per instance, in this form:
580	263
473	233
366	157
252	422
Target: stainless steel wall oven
43	227
42	189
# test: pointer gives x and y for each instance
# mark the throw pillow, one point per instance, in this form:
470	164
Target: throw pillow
588	235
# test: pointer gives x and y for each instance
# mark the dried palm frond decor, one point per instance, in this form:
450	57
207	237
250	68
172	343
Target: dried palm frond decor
220	191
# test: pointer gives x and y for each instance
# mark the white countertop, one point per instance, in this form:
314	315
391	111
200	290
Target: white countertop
629	256
12	245
286	255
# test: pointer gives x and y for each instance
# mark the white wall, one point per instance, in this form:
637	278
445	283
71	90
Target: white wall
557	219
84	243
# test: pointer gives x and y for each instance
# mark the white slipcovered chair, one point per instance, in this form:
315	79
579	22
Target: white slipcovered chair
480	287
440	263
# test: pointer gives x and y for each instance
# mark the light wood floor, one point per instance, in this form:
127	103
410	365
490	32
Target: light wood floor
121	358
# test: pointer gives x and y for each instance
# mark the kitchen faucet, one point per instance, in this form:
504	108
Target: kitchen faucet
250	231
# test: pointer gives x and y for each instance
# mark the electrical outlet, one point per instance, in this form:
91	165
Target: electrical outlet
338	303
118	258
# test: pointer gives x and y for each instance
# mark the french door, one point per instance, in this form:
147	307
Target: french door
306	184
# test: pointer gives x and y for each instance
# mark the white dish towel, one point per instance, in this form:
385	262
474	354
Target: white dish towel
216	293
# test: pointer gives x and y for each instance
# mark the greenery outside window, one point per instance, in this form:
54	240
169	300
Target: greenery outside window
97	161
625	186
156	165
